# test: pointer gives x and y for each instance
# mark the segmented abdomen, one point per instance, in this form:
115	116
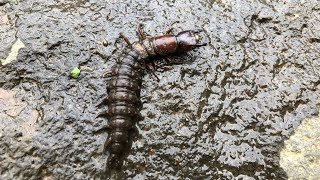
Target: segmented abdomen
124	105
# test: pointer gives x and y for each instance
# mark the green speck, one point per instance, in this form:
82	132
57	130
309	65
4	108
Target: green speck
75	73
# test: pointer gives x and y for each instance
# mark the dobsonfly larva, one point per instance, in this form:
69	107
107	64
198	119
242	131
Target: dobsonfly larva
124	87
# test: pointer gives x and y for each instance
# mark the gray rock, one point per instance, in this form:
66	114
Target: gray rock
300	156
224	114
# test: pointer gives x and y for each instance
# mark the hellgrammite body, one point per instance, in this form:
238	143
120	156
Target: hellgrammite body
124	87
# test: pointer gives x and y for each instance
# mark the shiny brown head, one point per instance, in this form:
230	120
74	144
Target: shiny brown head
183	42
188	40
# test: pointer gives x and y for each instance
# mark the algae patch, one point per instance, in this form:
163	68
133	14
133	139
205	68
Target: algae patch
75	73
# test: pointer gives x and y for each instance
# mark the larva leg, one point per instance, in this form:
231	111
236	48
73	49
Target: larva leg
102	129
169	31
107	74
103	101
141	32
150	69
168	60
107	145
103	114
163	68
121	35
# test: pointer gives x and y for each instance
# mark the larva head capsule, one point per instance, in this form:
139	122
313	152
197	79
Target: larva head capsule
188	40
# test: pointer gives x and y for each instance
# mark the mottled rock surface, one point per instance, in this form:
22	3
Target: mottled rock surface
224	114
13	53
300	156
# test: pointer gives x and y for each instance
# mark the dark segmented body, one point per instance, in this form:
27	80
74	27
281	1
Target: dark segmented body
124	103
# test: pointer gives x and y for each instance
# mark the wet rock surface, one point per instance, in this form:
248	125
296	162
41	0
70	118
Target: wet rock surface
225	115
